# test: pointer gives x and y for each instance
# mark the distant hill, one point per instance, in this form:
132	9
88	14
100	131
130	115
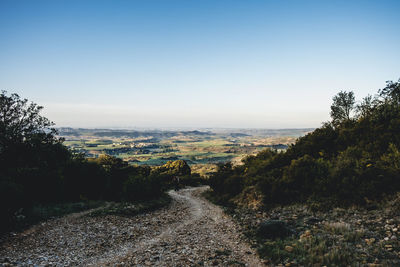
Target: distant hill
67	131
128	133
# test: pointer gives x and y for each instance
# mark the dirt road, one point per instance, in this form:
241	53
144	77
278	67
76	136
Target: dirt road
190	232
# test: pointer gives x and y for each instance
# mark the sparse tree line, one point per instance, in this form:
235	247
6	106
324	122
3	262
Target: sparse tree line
36	168
352	159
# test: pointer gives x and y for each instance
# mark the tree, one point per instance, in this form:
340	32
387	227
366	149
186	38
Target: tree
342	106
177	167
27	139
110	163
391	93
31	157
364	109
21	122
28	144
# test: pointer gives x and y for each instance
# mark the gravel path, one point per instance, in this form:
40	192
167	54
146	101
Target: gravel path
190	232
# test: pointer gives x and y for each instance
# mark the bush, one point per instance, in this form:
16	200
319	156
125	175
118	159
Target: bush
140	187
348	161
175	168
192	180
37	169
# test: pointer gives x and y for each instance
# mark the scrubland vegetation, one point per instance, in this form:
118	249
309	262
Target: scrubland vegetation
353	159
336	186
40	177
330	199
43	176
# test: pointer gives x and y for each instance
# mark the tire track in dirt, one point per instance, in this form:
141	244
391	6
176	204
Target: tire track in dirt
190	232
206	237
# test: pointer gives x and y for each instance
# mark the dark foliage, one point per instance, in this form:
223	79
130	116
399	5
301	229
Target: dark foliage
351	160
36	169
274	229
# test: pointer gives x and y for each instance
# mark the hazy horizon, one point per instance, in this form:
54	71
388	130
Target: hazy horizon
205	64
216	129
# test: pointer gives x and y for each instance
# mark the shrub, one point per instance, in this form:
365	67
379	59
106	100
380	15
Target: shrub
348	161
140	187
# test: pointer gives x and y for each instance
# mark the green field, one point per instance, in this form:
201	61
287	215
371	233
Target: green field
196	147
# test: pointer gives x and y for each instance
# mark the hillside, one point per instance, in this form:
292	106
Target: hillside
336	187
351	164
350	160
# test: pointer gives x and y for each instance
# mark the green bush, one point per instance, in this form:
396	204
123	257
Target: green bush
350	160
191	180
141	187
37	170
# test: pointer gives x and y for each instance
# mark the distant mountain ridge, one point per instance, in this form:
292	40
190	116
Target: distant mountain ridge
133	133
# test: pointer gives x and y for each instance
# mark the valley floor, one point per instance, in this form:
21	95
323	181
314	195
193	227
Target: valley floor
190	232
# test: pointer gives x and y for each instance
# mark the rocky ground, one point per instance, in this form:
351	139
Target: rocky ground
338	237
189	232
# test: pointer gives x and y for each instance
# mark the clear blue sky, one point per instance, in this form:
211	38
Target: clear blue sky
265	64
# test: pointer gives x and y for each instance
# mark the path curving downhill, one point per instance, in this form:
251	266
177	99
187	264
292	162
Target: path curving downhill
190	232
